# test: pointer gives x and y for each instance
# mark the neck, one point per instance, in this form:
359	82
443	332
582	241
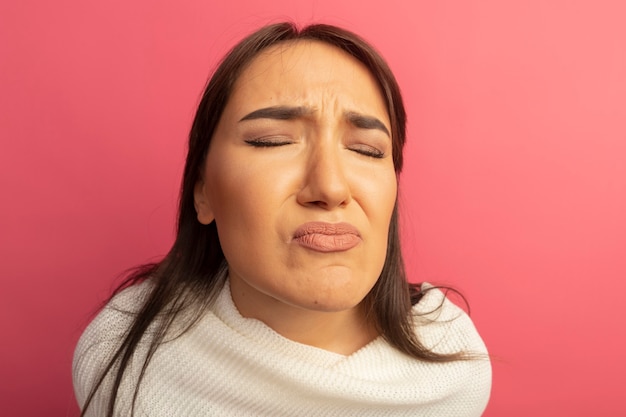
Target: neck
343	332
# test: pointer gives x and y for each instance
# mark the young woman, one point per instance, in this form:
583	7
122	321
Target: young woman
284	293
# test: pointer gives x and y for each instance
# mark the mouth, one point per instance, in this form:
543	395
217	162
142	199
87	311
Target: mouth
327	237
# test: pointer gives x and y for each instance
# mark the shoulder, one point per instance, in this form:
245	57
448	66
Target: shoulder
103	336
443	326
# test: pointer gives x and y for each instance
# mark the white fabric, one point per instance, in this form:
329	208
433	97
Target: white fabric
228	365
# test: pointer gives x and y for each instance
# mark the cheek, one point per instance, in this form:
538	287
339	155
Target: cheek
242	204
381	200
387	203
391	193
381	195
228	184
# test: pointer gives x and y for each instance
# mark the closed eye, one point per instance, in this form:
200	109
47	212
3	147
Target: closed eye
367	151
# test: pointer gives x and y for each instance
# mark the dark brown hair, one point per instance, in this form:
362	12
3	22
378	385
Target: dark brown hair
191	274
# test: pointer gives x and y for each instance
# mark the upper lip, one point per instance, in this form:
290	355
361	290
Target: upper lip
325	228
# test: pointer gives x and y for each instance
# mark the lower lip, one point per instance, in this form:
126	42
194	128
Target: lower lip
328	243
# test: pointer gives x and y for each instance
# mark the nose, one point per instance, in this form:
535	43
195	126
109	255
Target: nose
325	184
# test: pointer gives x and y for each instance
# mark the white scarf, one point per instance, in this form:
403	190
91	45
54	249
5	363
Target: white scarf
228	365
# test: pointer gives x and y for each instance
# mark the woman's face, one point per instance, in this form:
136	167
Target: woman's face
300	181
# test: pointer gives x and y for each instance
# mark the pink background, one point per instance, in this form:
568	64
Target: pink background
514	191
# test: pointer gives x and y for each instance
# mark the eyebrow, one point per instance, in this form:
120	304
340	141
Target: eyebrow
278	113
358	120
366	122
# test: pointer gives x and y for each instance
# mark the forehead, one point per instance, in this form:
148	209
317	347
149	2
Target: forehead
308	72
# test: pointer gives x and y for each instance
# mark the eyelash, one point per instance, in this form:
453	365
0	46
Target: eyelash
267	143
272	143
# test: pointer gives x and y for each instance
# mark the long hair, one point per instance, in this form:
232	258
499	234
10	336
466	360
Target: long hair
191	274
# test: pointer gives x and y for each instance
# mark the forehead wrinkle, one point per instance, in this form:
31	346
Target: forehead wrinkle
320	99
